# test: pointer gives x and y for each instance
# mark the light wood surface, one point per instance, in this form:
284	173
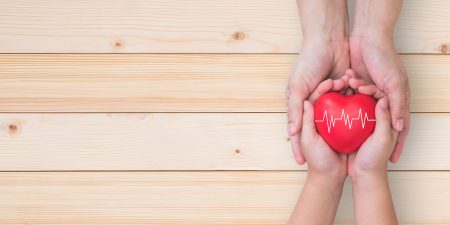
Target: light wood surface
179	82
190	139
182	141
196	198
200	26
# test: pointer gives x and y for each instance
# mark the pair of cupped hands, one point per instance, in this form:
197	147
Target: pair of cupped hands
376	70
373	155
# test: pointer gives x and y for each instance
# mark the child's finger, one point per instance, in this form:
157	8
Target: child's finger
350	72
309	128
323	88
295	143
346	77
339	84
383	118
342	83
371	90
356	83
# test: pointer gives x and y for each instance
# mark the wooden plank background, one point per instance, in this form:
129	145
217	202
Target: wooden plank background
170	141
92	134
241	197
197	26
179	82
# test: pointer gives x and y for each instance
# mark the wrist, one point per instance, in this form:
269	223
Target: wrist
324	36
367	42
371	37
371	30
334	179
369	177
325	20
326	185
375	19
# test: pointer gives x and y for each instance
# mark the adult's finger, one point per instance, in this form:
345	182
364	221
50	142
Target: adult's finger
399	146
398	96
309	128
295	143
295	99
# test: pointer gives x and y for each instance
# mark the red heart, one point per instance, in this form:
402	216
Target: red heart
345	122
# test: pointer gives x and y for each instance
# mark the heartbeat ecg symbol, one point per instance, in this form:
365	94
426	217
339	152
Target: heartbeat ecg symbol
347	121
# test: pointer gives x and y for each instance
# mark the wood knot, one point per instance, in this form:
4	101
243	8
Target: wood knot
117	44
444	48
238	36
13	128
237	153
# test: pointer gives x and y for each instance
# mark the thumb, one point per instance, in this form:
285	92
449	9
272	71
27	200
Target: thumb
294	113
399	105
383	117
309	128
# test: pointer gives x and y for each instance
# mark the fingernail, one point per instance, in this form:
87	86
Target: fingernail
400	125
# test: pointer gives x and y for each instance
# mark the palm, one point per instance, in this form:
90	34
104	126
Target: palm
321	159
325	159
375	152
317	62
377	62
360	159
380	65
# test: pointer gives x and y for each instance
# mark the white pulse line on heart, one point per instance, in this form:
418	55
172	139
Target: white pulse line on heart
347	121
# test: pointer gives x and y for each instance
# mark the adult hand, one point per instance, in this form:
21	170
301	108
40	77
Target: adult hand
367	168
321	159
327	169
373	58
377	62
319	60
325	54
373	156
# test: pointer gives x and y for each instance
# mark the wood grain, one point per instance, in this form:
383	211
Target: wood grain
201	26
167	122
196	198
179	83
182	141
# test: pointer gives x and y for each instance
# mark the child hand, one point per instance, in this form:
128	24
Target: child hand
367	167
322	190
374	154
320	157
